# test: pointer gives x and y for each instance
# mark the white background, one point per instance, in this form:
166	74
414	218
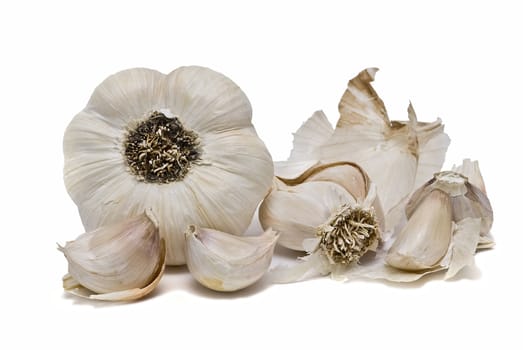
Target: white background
458	61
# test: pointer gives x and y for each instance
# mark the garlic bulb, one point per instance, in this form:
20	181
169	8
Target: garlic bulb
449	218
349	226
297	207
399	156
225	262
123	261
180	144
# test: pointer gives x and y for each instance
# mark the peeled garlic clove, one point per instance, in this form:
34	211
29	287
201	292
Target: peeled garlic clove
225	262
425	239
124	261
297	211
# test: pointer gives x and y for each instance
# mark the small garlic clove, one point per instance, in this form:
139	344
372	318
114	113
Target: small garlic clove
119	262
225	262
425	239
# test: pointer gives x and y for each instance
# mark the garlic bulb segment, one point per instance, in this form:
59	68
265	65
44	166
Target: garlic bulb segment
182	144
123	261
425	239
297	206
225	262
341	240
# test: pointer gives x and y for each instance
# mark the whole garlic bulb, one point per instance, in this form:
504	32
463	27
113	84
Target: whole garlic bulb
123	261
180	144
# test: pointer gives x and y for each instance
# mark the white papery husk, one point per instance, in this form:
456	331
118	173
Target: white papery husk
222	191
470	218
398	156
225	262
119	262
298	204
316	262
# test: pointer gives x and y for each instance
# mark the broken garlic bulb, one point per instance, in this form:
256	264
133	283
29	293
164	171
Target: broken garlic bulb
225	262
298	206
118	262
349	229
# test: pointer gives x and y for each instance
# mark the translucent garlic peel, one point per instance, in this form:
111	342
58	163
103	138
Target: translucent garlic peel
225	262
126	258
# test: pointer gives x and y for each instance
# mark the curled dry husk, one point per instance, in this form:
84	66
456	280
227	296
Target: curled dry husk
298	205
225	262
119	262
331	211
398	156
449	218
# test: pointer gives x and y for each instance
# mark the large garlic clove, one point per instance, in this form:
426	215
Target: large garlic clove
124	261
297	211
225	262
468	201
425	239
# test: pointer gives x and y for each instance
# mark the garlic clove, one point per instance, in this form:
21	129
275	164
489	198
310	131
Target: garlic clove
425	239
225	262
467	200
297	211
123	261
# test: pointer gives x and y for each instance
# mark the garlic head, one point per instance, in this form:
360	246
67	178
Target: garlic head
182	144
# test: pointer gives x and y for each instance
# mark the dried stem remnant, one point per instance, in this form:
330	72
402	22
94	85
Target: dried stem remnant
348	234
160	150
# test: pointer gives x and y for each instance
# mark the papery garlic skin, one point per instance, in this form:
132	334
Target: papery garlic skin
123	261
398	156
225	262
181	144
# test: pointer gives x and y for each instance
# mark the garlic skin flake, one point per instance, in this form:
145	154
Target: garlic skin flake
298	206
118	262
398	156
225	262
181	144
